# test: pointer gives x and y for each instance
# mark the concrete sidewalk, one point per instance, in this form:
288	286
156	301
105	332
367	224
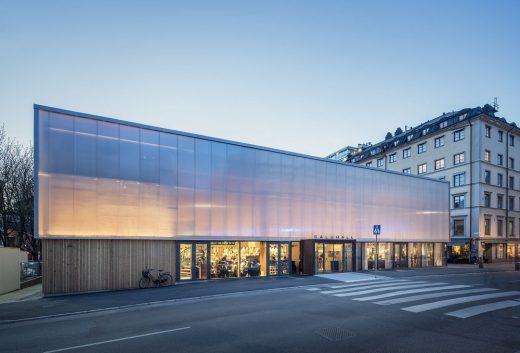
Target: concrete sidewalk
30	293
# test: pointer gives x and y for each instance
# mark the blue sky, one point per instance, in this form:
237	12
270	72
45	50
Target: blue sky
304	76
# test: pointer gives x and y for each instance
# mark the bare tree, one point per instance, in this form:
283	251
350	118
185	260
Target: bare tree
16	195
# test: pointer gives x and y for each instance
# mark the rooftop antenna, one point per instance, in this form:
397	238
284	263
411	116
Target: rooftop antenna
495	104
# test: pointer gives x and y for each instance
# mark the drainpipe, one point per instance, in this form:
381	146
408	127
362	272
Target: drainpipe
471	189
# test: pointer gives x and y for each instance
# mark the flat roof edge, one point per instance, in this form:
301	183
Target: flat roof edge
220	140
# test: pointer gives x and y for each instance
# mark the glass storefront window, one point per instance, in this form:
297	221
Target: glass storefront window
400	255
384	256
427	255
348	258
438	254
252	259
273	259
224	259
295	258
415	254
201	261
185	261
500	251
318	251
284	256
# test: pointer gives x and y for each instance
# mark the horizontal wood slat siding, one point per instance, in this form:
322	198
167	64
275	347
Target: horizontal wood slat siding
83	265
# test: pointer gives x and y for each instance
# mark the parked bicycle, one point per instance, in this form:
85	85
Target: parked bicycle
155	278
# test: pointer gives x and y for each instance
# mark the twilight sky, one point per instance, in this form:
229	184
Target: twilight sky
303	76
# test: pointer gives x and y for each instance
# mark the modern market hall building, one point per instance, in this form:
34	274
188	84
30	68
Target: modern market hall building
114	198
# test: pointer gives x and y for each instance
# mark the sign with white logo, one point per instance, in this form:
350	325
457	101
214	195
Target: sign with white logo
377	229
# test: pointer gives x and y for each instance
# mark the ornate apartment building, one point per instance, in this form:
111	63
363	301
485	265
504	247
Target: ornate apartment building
479	154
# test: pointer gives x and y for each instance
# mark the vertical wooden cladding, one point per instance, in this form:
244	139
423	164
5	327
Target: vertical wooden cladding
83	265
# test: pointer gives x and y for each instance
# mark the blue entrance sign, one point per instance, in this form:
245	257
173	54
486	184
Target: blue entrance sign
377	229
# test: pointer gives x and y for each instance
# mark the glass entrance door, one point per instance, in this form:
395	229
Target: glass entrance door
333	257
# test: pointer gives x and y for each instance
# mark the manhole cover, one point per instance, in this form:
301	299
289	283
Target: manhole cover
335	334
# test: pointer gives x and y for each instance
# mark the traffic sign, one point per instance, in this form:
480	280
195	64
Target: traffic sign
377	229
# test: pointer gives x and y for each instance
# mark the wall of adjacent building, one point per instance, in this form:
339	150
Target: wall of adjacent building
9	269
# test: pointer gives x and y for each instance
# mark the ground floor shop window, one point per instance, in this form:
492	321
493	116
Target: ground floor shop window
400	255
224	259
415	254
384	256
252	259
439	254
510	252
427	255
500	251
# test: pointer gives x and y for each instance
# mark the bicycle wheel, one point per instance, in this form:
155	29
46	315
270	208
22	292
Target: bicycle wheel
144	283
166	280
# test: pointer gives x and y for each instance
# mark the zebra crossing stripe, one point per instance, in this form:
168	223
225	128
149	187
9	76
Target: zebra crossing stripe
448	302
484	308
352	294
433	295
355	288
312	289
366	282
411	291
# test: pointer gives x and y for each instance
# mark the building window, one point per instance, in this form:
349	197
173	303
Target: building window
487	176
409	138
500	227
392	158
500	136
500	201
500	159
407	152
487	155
511	140
369	164
487	199
459	179
487	226
511	182
511	228
421	168
407	171
380	162
458	135
458	158
511	163
511	203
458	201
421	148
443	124
458	227
439	164
439	141
488	131
499	179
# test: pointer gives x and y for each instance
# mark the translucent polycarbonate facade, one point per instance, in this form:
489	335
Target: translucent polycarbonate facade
99	177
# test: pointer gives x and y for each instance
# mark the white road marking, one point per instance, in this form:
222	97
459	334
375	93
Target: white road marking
448	302
312	289
117	340
433	295
411	291
352	294
484	308
356	288
365	284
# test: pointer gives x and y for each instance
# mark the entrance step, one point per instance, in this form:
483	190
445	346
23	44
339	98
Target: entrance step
352	277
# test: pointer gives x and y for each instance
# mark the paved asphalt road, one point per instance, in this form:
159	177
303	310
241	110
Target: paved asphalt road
308	314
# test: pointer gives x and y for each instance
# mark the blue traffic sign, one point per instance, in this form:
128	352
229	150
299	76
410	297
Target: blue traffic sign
377	229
